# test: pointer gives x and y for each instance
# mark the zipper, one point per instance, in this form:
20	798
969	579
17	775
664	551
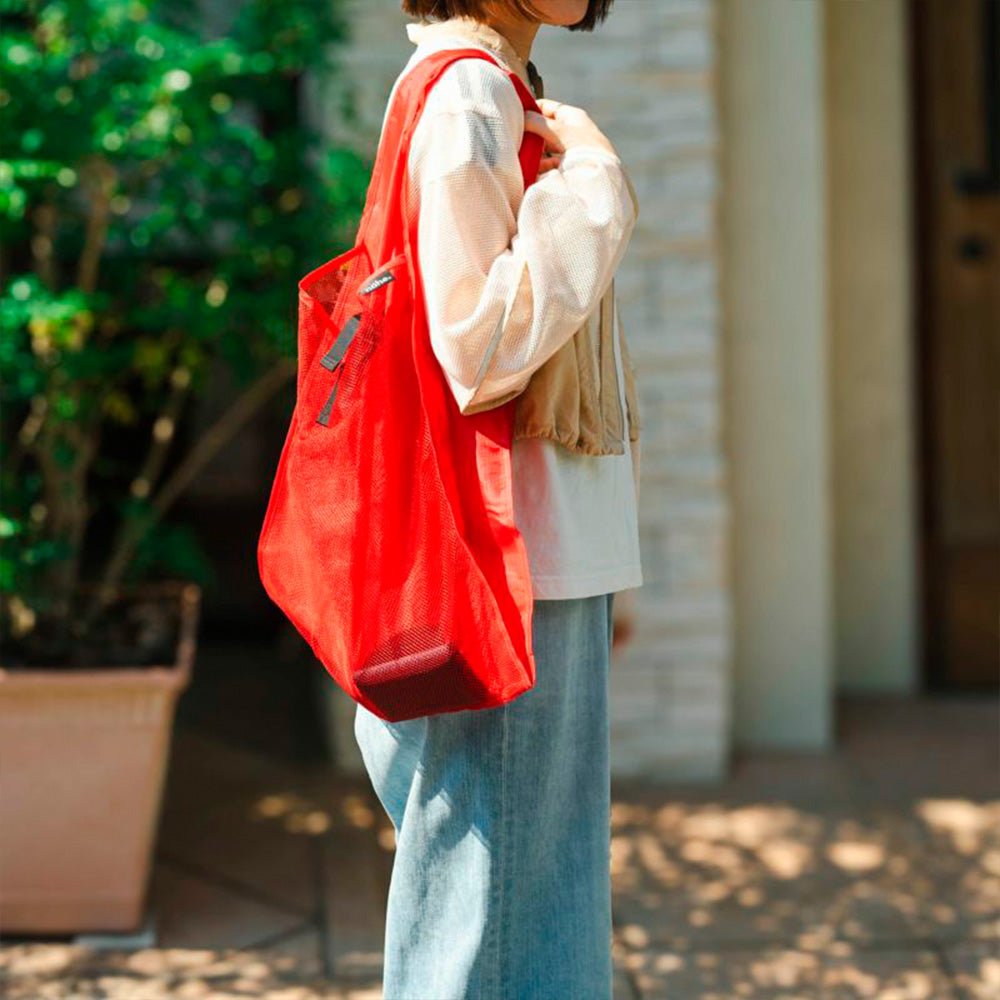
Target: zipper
619	364
608	330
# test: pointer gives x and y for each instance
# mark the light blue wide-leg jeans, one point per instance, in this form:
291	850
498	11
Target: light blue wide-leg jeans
501	886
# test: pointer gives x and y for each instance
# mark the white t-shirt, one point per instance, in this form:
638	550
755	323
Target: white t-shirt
509	276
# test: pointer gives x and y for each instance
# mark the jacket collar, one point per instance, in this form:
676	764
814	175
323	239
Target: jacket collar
480	34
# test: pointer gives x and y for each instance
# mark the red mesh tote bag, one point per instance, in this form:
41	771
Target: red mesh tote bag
389	538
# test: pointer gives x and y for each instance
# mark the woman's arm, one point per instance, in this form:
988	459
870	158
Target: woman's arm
509	275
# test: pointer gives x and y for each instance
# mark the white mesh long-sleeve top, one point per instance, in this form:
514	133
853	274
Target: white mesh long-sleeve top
509	276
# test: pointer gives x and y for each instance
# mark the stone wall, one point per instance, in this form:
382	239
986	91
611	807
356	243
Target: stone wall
648	77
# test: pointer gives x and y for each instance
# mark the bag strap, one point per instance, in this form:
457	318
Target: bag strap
384	202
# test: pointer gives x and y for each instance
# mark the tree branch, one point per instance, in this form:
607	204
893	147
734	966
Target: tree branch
208	446
101	178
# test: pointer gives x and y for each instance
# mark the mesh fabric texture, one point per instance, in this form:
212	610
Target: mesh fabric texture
389	538
510	273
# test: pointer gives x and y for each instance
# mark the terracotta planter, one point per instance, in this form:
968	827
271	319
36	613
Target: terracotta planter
83	758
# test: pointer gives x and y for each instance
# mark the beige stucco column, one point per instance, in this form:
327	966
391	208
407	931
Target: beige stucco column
871	338
774	225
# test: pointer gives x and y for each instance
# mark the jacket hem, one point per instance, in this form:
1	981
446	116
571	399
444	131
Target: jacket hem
570	441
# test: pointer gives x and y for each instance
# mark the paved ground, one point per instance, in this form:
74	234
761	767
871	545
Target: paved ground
873	872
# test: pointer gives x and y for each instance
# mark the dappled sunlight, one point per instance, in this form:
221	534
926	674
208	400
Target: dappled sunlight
710	901
723	977
358	811
785	859
965	839
41	962
299	815
386	838
41	972
965	824
700	863
908	984
751	899
790	974
980	978
688	873
295	814
786	970
856	856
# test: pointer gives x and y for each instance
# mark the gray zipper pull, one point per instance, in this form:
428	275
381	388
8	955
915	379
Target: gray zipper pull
332	358
324	414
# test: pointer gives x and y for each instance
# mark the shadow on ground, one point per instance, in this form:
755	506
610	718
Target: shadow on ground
870	872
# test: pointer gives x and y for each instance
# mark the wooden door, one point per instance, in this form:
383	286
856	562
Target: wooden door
957	119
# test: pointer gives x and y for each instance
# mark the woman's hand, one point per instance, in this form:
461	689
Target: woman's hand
563	126
623	620
624	629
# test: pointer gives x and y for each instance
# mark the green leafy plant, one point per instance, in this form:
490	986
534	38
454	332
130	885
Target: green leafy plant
159	199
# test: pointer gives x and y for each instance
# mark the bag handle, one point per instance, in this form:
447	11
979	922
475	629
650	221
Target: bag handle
386	193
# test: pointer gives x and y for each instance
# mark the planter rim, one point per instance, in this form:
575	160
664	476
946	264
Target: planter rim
176	674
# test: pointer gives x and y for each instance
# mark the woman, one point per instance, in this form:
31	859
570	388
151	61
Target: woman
501	884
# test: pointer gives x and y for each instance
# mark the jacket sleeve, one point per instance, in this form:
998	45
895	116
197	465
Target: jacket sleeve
509	275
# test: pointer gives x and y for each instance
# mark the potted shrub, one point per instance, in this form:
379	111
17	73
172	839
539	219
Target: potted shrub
158	202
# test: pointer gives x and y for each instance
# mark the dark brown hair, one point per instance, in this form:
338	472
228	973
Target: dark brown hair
440	10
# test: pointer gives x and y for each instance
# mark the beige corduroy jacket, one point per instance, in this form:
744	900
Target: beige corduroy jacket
573	397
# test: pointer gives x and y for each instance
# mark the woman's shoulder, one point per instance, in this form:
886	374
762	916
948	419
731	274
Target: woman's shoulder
478	86
473	115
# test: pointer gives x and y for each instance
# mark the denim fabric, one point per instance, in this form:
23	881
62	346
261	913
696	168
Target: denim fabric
501	887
